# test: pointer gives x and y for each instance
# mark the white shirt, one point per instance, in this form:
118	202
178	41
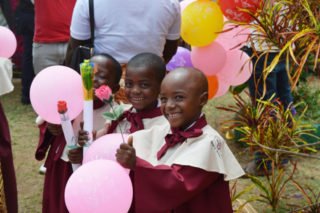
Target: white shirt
126	28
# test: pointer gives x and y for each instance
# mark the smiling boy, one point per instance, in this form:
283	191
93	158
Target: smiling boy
184	166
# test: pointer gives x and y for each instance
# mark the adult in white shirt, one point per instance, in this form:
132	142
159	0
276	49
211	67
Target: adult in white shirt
125	28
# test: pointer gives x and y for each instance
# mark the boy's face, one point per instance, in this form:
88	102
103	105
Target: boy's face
181	101
142	88
105	73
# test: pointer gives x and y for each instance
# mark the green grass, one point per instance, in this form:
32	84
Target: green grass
24	133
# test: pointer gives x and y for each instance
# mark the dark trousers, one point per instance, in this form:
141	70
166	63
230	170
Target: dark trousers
26	29
277	82
27	67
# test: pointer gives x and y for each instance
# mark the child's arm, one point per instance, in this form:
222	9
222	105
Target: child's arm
76	155
55	129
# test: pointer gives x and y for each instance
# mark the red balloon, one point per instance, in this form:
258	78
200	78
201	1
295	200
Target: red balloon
232	9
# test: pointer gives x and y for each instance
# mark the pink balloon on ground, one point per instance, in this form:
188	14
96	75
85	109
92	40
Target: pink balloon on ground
233	37
209	59
185	3
99	186
237	69
104	148
53	84
8	42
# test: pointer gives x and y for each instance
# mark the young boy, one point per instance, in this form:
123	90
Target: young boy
143	78
184	166
57	163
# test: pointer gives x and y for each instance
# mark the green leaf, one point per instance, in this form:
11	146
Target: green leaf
118	111
109	116
260	185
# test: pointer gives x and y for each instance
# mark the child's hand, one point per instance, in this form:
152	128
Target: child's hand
126	155
83	136
76	155
55	129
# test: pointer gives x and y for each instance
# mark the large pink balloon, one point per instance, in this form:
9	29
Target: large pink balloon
104	147
223	88
8	42
237	69
209	59
233	37
99	186
53	84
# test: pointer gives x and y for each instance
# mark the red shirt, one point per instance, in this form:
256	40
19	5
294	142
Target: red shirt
52	20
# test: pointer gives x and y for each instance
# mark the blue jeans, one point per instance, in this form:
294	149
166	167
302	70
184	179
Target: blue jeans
277	82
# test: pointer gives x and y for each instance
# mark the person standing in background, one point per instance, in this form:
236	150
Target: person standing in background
6	18
8	184
24	17
52	23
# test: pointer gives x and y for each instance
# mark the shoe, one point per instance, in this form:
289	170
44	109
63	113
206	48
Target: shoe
42	169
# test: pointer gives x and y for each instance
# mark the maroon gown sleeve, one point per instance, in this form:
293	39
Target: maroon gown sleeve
45	139
170	188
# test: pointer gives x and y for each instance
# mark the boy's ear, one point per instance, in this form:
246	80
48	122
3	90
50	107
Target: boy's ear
203	98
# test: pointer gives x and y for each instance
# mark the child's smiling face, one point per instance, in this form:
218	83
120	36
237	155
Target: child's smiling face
182	97
105	73
142	87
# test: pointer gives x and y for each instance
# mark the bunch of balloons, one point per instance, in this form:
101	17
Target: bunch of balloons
215	43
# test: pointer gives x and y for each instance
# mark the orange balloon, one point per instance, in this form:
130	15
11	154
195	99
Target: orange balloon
213	85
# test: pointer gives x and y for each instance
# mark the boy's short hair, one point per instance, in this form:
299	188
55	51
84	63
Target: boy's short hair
116	65
150	60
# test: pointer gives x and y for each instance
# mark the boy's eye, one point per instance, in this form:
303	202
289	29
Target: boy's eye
163	100
144	85
128	84
178	98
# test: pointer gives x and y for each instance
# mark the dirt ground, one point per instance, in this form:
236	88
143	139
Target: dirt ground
24	135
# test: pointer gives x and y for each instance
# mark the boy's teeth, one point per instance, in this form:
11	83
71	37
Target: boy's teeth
173	115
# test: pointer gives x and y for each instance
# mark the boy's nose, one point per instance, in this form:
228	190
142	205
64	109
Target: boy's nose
170	103
135	90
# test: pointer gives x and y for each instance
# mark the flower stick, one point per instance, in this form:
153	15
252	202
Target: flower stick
67	128
87	73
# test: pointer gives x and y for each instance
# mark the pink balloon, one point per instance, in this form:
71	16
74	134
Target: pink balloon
185	3
99	186
8	42
104	147
237	69
209	59
233	36
223	88
53	84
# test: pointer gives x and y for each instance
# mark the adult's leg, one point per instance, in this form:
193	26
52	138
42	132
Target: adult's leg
283	85
48	54
27	68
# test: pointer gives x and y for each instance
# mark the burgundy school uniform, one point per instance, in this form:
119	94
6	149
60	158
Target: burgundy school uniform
131	121
7	167
182	171
59	170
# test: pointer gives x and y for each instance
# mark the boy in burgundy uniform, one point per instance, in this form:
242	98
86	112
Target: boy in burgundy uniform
183	166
